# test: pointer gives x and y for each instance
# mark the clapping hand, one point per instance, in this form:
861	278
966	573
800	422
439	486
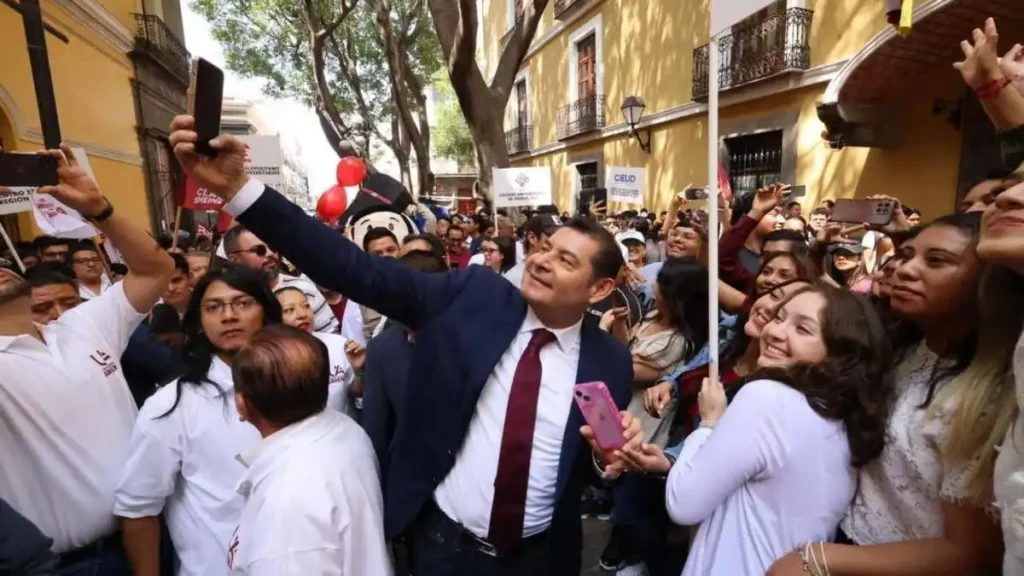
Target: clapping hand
356	355
223	175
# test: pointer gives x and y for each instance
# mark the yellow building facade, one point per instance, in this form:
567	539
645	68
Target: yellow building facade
94	84
821	93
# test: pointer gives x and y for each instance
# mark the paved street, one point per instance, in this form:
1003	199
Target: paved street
595	535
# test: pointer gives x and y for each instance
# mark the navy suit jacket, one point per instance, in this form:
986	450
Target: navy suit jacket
464	321
388	357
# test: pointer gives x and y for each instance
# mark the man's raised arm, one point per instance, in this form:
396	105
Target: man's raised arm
325	256
149	267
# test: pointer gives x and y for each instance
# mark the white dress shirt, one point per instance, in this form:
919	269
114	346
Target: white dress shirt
352	324
515	274
467	493
66	417
183	464
342	373
86	294
771	475
313	503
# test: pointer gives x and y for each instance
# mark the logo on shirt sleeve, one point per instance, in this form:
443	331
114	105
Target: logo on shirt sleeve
337	374
104	361
233	549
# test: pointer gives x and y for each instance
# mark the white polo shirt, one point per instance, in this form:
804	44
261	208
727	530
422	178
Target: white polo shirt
313	503
342	373
184	464
66	417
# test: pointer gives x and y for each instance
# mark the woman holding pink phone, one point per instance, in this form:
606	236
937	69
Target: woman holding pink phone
779	466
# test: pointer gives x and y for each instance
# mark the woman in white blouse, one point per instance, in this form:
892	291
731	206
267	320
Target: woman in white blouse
188	434
924	506
347	358
779	466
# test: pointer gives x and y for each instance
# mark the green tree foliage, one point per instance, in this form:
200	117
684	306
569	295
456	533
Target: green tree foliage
451	135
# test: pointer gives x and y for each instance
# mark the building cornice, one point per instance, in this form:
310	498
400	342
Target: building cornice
94	17
560	26
778	84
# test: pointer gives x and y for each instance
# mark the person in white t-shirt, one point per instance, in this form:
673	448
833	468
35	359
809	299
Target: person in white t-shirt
183	448
347	358
65	408
312	490
85	261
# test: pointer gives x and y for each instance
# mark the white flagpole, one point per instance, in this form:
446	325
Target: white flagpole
10	246
713	232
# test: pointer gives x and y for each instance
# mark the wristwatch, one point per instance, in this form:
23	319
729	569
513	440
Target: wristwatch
103	215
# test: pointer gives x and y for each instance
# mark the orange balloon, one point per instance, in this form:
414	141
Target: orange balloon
331	205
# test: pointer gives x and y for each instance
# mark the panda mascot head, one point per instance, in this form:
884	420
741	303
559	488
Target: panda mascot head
380	203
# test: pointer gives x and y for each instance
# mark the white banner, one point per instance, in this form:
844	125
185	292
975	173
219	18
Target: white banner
264	159
522	187
625	184
18	200
725	13
54	218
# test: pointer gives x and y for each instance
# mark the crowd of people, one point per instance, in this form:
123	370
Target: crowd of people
281	400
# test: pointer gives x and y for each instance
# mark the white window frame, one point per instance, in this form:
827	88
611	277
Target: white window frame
593	26
522	76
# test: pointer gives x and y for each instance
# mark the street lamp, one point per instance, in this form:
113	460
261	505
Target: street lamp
632	112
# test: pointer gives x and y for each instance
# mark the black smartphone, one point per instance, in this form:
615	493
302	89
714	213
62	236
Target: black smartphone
205	97
27	170
696	193
797	191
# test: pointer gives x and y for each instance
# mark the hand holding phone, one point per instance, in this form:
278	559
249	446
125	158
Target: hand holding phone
601	414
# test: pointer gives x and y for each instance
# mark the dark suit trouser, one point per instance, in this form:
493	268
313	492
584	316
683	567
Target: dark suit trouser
439	547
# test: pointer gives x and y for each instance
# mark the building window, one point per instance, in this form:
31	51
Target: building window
586	69
755	161
522	103
589	189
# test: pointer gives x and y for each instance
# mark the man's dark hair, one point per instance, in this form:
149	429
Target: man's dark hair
43	242
436	245
180	263
820	211
798	240
50	273
26	249
231	239
425	261
283	373
82	246
164	319
791	204
999	173
908	211
375	234
454	228
119	269
608	260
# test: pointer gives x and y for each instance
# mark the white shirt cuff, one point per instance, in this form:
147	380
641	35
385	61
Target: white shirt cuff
245	198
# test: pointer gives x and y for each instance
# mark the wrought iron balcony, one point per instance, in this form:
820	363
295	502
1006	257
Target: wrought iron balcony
154	37
518	139
563	6
779	43
583	115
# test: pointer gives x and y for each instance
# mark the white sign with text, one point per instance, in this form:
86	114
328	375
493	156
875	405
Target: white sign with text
624	184
264	159
17	200
522	187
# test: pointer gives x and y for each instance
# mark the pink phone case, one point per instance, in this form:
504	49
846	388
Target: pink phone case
601	414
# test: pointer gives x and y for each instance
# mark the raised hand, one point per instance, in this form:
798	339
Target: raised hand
223	175
356	355
1012	65
981	63
74	188
712	402
766	200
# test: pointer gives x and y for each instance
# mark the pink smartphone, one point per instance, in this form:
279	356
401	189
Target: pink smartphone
601	414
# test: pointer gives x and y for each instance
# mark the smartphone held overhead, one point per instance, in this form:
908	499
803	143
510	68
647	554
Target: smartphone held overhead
601	414
27	170
873	212
205	98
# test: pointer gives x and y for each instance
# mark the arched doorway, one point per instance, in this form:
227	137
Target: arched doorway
8	143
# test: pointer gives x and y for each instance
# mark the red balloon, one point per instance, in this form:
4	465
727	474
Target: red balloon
332	204
351	171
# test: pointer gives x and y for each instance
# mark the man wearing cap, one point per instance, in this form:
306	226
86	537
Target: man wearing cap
636	245
537	230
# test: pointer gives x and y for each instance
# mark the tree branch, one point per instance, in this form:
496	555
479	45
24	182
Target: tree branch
519	42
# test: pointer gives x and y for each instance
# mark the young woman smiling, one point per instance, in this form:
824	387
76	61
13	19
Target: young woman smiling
779	465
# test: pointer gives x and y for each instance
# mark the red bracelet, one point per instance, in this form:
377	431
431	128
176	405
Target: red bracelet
992	88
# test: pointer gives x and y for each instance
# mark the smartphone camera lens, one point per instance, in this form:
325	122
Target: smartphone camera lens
586	398
579	394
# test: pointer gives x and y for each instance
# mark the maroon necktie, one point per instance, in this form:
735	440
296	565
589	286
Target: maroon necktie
509	507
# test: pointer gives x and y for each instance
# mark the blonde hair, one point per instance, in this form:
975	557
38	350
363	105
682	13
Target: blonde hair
983	396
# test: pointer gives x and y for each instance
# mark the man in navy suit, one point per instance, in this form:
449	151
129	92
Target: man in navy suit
487	462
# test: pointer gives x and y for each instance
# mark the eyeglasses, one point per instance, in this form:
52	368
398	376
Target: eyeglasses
87	261
488	250
238	305
259	250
